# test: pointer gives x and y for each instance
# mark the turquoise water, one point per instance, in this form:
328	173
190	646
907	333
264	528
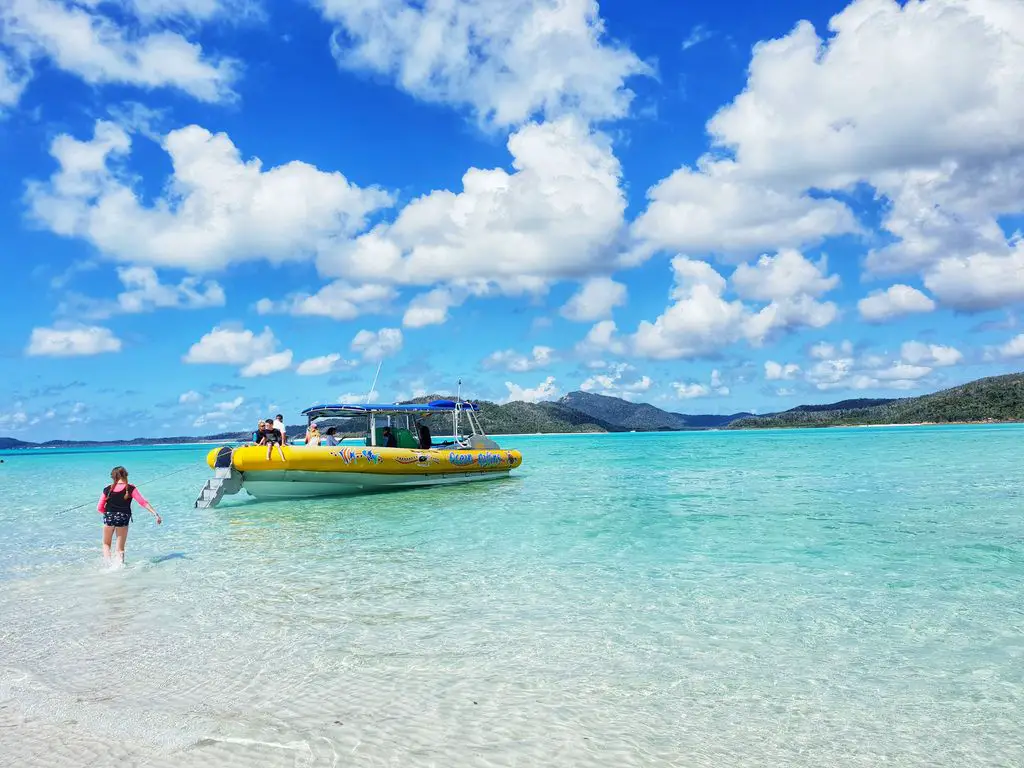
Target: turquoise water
788	598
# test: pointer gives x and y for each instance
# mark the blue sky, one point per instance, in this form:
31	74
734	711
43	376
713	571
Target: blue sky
213	210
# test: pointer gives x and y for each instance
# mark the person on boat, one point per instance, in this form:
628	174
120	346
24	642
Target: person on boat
279	426
116	507
426	441
257	436
390	441
313	435
271	437
329	438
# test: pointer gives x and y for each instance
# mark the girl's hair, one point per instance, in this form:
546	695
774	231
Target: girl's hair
120	475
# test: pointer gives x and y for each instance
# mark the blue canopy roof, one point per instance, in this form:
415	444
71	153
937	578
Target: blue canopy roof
358	409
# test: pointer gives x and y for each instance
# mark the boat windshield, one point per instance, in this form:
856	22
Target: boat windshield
447	423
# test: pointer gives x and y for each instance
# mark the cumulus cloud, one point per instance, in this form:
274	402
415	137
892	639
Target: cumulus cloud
222	415
72	341
774	371
717	209
690	390
838	367
613	382
546	390
256	353
80	39
916	100
338	300
895	301
264	366
144	292
318	366
701	321
595	300
1014	348
514	362
218	209
506	60
377	345
189	398
431	308
556	216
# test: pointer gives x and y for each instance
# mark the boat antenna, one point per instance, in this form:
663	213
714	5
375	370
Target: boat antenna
459	397
374	385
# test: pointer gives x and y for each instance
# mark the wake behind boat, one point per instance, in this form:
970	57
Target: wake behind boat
311	471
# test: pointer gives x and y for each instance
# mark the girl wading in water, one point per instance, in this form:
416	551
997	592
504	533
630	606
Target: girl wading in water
116	507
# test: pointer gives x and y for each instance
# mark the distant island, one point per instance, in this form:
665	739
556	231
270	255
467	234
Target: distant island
992	399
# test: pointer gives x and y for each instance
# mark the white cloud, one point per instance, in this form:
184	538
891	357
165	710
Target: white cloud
895	301
190	397
377	345
611	383
79	39
602	337
935	355
774	371
717	209
318	366
980	281
507	60
222	415
430	308
787	275
595	300
546	390
264	366
72	341
338	300
144	292
701	321
1014	348
558	215
218	210
699	34
514	362
14	78
231	346
692	390
359	397
839	368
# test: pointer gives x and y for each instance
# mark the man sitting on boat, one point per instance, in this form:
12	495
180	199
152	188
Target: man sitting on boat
390	441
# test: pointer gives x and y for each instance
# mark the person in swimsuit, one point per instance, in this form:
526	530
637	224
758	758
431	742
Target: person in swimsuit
271	437
116	507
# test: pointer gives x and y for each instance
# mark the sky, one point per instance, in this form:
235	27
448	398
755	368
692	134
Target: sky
215	210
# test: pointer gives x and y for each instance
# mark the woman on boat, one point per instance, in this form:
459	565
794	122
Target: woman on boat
313	435
116	507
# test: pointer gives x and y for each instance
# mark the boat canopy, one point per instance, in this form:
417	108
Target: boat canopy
360	409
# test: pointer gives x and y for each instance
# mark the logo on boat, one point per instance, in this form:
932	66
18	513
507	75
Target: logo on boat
489	459
461	459
418	458
354	455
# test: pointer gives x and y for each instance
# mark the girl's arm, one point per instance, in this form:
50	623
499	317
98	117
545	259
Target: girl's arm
102	506
137	496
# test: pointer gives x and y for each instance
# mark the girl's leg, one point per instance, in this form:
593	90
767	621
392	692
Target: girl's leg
122	537
108	531
280	450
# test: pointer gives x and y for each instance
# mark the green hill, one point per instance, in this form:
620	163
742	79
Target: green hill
996	398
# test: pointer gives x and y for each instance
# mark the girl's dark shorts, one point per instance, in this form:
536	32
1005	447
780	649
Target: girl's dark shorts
117	519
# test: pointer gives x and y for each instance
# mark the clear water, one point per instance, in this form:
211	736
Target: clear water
789	598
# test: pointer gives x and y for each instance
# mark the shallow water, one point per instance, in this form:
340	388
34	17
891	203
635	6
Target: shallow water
800	598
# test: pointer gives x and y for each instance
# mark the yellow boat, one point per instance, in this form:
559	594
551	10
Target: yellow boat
301	471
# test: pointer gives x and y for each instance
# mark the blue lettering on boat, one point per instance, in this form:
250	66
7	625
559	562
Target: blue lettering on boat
460	459
488	459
